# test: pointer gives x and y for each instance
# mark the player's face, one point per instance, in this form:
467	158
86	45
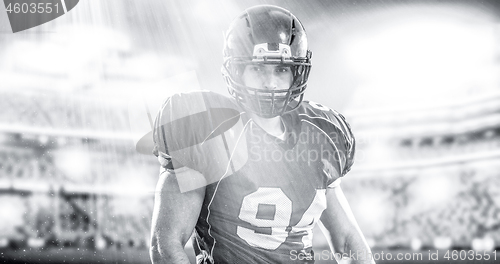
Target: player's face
267	77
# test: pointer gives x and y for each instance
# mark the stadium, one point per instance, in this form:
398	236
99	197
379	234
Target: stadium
77	94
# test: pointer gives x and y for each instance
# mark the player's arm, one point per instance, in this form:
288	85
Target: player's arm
174	218
341	229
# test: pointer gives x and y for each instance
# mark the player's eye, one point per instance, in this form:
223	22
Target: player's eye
282	69
255	68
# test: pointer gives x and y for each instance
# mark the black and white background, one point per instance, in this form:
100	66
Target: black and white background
418	81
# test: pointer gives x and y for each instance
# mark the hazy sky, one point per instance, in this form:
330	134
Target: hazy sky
372	48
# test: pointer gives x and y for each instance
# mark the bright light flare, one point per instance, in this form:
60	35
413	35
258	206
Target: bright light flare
425	57
425	48
131	181
73	162
372	207
11	214
433	190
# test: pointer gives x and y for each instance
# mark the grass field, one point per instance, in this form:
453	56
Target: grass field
142	256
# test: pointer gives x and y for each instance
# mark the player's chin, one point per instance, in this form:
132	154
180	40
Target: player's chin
268	111
269	106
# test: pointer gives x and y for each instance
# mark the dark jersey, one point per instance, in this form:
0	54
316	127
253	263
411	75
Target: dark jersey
265	194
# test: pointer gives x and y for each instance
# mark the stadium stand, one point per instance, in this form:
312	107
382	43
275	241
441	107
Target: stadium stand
67	161
435	170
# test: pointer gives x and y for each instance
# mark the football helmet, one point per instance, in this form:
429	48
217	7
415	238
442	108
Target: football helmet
266	34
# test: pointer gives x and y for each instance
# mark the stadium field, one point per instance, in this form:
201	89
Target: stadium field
54	256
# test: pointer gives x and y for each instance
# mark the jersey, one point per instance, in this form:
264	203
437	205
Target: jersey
265	194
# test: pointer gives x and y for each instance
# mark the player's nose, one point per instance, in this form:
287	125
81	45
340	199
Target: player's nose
270	80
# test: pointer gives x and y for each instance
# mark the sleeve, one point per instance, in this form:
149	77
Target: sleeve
347	146
335	183
349	142
160	149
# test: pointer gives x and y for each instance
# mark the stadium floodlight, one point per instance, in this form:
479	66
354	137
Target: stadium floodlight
100	242
442	242
43	139
483	244
74	162
416	244
34	242
4	242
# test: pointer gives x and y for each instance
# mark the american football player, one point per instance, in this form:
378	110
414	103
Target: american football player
251	174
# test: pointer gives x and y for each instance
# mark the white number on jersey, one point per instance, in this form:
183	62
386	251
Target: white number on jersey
274	200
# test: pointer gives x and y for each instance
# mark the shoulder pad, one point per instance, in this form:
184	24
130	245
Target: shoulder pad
192	130
318	114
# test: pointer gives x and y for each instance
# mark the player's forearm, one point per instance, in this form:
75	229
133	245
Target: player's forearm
341	229
348	247
174	218
355	246
173	254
